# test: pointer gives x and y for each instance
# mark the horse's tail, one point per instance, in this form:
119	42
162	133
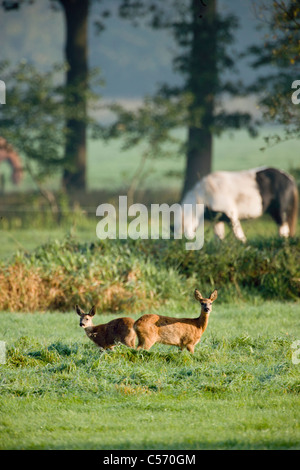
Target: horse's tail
293	213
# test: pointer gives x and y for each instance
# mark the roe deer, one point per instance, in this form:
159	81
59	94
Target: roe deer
119	330
181	332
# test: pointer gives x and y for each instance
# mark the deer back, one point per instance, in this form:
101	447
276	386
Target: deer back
169	330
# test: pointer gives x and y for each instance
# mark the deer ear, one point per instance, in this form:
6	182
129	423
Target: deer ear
92	311
214	295
197	295
78	310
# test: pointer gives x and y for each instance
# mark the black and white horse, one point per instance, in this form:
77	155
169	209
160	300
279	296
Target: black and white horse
230	196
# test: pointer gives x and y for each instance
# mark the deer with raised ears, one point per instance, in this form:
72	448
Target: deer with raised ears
181	332
106	335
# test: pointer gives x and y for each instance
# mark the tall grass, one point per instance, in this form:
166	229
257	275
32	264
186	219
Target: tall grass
128	275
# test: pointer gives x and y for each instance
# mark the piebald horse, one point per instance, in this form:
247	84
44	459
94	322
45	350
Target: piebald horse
230	196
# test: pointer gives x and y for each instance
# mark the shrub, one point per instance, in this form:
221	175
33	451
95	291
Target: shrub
127	275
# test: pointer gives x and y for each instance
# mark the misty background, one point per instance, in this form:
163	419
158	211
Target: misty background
133	60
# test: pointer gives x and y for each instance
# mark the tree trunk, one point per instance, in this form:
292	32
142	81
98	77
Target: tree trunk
76	51
202	82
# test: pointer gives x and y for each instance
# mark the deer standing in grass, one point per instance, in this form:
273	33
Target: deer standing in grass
119	330
181	332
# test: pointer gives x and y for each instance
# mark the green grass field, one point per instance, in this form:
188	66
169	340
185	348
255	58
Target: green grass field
240	390
110	168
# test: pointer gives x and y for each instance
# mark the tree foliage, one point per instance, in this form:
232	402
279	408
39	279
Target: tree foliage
281	54
34	119
76	14
204	40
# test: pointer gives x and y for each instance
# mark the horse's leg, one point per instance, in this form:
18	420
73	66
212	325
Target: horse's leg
237	229
284	230
280	217
190	221
219	230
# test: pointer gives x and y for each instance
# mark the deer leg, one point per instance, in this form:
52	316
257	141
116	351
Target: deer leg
129	340
145	343
190	348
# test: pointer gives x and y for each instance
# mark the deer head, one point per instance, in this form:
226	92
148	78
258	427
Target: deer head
206	304
86	319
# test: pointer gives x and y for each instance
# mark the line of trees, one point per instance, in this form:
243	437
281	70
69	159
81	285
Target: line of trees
48	122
